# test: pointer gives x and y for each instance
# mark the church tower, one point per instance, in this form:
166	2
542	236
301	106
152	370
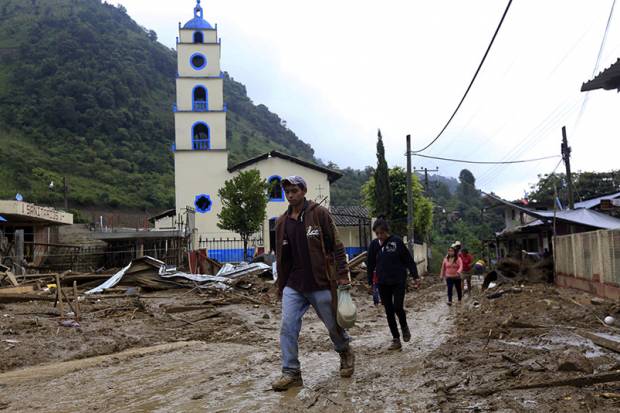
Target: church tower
200	155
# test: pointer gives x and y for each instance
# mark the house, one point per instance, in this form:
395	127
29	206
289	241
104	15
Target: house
533	230
354	227
37	224
200	150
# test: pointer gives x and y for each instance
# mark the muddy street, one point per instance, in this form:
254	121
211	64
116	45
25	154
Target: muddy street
224	359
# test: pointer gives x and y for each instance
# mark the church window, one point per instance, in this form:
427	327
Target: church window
198	61
203	203
200	101
276	192
201	137
198	37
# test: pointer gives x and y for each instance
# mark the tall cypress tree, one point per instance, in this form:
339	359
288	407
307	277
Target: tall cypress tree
383	191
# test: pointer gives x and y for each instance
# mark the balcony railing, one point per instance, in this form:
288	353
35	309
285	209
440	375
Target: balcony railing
200	144
200	106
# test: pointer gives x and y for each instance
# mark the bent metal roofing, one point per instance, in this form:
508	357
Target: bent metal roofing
608	79
581	216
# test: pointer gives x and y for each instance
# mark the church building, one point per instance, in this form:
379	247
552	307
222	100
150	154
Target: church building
200	152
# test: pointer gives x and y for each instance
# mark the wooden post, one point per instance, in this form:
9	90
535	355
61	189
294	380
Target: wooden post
410	232
76	301
61	307
19	251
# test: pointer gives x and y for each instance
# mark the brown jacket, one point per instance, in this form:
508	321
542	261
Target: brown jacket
329	262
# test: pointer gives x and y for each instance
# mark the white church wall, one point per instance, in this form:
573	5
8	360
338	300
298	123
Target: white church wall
210	51
185	91
208	35
184	122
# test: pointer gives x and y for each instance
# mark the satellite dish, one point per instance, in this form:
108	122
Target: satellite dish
19	197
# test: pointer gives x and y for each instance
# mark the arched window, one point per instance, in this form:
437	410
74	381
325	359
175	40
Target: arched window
198	37
201	137
276	191
200	99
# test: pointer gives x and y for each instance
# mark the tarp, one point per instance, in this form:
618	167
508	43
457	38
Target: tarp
2	219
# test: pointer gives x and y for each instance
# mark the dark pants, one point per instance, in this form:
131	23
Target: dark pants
456	283
393	298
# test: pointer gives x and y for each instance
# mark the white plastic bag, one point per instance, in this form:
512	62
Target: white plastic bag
347	312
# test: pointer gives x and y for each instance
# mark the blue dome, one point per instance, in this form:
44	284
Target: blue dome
198	22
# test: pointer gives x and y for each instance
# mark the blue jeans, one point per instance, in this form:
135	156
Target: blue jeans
294	306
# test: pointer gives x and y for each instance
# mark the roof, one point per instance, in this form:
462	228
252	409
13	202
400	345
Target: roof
608	79
580	216
198	22
349	216
594	202
331	174
20	212
135	235
168	213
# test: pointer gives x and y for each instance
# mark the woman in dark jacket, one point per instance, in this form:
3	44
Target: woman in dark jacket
390	259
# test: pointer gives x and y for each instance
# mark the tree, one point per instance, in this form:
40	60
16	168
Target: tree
467	187
422	206
382	189
244	205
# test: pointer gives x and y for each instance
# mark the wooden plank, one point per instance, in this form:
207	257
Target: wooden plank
17	290
22	298
609	344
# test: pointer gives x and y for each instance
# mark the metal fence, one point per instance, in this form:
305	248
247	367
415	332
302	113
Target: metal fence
230	249
593	257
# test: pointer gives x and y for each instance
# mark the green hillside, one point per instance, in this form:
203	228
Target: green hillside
87	93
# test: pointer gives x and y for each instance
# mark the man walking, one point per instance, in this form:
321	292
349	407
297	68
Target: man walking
311	262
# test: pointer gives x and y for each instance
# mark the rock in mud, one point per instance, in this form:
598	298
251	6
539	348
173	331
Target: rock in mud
571	360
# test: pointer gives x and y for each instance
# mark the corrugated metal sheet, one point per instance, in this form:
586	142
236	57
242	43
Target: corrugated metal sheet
608	79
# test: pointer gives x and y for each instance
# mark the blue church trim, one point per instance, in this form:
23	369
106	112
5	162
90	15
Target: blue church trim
203	203
269	182
200	105
201	144
197	67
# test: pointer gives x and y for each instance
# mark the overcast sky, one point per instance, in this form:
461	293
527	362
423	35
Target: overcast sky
338	70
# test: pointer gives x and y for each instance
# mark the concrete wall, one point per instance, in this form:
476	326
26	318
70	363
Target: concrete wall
589	261
184	122
214	87
210	51
187	36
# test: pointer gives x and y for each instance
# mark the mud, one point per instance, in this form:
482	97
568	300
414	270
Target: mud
232	358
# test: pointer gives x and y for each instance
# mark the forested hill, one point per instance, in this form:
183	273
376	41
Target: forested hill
87	93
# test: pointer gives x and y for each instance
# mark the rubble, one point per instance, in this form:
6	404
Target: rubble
571	360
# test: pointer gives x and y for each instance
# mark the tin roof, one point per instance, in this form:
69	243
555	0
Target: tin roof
608	79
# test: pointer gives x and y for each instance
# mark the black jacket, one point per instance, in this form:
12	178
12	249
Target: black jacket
391	261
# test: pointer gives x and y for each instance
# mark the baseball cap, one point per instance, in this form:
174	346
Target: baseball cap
295	180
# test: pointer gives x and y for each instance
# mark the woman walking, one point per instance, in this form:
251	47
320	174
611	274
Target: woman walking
388	262
451	270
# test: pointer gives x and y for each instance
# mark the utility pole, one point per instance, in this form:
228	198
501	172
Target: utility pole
65	191
410	234
566	150
426	171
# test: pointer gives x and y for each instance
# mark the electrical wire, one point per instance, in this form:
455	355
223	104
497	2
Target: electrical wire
487	162
470	83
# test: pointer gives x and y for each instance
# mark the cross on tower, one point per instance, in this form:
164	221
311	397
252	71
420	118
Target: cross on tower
320	189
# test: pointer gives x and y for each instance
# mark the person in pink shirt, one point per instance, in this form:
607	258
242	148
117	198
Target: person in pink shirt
451	270
468	260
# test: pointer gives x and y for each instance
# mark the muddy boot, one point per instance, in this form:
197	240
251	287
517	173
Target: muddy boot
395	344
287	381
347	363
406	334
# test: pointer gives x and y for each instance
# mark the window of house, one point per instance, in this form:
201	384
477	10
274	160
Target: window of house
198	61
198	37
276	192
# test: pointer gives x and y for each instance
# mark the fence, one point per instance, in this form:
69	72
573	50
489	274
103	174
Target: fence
589	261
229	249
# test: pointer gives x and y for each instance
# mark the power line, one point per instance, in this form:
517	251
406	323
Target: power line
470	83
487	162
